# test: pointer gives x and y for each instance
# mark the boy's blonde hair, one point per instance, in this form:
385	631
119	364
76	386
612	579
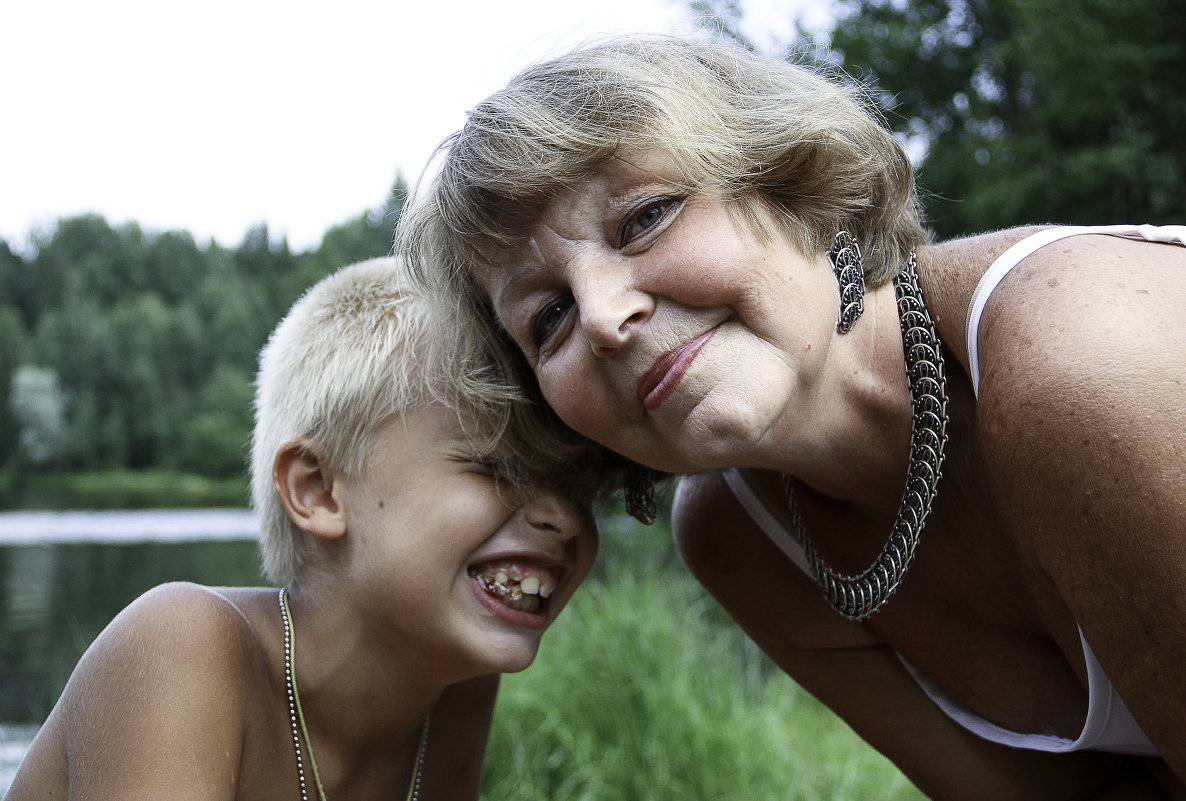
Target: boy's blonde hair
756	130
366	345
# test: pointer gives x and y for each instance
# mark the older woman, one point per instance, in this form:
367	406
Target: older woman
715	264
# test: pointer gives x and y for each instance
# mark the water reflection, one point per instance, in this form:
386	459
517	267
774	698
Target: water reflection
55	598
65	575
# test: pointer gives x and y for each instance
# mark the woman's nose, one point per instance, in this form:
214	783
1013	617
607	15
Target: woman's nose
611	308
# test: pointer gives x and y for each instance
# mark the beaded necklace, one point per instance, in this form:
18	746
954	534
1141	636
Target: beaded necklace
297	717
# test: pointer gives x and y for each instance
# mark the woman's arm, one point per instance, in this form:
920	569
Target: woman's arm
848	669
152	709
1083	417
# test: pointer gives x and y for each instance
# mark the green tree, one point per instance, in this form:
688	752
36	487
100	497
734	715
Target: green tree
367	236
38	404
1067	111
1031	110
14	351
175	265
146	385
269	268
215	440
153	339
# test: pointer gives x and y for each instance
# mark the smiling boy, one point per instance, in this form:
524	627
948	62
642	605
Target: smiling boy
408	506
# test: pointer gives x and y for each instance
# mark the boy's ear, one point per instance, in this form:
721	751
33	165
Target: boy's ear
305	484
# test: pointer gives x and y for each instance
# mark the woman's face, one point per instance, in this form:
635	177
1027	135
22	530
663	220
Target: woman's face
660	327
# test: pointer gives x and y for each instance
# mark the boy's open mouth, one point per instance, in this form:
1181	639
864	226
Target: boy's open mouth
521	586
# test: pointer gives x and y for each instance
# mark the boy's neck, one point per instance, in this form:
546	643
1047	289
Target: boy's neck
362	696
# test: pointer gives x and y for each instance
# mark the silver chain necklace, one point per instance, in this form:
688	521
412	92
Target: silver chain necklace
858	597
297	716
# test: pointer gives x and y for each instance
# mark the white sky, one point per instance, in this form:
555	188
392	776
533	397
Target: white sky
214	116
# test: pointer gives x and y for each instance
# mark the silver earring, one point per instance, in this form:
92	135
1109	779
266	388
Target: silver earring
845	257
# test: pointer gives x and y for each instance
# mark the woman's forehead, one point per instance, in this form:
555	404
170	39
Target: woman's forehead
614	182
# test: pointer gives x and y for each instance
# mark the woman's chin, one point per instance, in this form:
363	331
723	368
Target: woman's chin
733	437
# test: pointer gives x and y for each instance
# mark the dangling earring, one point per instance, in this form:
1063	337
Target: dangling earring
845	257
640	493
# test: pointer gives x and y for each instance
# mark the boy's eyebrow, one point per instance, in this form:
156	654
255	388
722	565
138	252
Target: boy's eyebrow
461	452
465	451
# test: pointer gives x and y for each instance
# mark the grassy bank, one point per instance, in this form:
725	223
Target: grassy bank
645	690
122	489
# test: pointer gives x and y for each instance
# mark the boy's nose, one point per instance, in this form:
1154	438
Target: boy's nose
554	514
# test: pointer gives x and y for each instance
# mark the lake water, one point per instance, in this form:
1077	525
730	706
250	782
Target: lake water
64	575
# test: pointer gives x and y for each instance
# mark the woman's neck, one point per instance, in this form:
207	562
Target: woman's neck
855	447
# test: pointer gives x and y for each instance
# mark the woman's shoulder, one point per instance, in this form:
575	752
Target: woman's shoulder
1080	371
1079	310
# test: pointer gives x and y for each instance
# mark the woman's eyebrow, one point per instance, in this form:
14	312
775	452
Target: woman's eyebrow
510	290
511	276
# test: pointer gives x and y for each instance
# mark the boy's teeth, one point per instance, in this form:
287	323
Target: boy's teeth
508	588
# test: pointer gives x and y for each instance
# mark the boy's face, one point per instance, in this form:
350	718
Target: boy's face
471	575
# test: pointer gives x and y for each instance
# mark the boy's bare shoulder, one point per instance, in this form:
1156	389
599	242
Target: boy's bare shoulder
222	608
180	652
187	624
201	639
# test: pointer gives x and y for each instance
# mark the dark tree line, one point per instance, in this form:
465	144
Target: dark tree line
131	349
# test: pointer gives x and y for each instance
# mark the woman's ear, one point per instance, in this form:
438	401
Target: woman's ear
305	484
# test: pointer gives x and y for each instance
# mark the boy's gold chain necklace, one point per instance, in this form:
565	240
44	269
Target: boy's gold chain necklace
297	717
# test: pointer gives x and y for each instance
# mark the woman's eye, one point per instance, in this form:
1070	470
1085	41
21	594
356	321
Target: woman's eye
644	219
549	319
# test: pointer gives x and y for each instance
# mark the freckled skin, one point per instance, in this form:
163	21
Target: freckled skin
1060	509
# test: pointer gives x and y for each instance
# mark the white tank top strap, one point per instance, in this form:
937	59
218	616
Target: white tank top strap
1108	726
1011	257
765	518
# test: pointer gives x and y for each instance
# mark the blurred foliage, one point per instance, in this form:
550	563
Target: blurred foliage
1019	111
152	340
644	688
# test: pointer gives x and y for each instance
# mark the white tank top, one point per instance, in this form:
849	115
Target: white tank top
1109	726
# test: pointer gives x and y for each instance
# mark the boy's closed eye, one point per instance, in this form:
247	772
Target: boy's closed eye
485	467
482	466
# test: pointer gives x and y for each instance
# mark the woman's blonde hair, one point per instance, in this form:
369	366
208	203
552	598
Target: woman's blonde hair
760	132
366	345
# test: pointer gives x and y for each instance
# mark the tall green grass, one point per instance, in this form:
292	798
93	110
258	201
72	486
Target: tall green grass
645	690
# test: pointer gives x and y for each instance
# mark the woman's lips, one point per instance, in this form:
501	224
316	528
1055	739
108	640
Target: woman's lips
657	383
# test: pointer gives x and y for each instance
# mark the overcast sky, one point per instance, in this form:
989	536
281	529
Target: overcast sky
212	117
